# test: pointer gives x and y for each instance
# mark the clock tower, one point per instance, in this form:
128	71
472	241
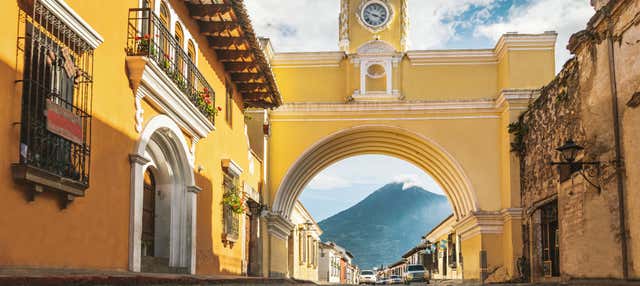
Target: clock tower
362	21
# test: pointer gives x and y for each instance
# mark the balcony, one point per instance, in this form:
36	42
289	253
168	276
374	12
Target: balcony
157	60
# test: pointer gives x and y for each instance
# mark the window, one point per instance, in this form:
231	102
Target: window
231	218
56	100
300	247
550	243
179	35
228	103
165	19
191	53
452	250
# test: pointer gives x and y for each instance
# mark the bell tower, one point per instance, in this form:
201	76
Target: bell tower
362	21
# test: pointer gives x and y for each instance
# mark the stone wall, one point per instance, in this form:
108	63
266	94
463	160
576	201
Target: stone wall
577	105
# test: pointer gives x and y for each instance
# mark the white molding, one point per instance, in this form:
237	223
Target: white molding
139	112
279	226
478	223
73	21
452	57
165	95
184	192
307	60
388	119
525	42
232	167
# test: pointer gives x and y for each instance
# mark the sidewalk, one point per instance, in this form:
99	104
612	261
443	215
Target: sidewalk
19	277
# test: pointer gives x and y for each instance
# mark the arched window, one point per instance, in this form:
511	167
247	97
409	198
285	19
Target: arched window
165	19
179	60
191	53
146	4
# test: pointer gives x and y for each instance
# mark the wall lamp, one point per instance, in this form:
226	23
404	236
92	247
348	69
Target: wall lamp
569	152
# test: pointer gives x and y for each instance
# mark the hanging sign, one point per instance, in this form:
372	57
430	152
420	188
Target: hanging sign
64	122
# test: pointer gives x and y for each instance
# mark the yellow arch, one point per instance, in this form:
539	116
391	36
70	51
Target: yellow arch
385	140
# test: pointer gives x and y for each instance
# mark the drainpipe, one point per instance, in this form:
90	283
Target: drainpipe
618	149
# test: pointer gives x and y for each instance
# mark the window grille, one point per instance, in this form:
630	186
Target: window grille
57	82
231	218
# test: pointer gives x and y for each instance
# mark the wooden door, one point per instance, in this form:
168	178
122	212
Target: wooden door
148	214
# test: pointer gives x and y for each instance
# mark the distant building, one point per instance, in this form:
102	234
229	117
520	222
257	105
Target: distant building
335	265
304	245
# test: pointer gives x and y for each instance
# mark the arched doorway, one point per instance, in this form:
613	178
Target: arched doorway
482	231
163	201
383	140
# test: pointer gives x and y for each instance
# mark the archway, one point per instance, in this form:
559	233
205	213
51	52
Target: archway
163	151
384	140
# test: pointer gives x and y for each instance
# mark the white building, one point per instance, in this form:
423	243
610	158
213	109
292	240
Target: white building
304	243
329	263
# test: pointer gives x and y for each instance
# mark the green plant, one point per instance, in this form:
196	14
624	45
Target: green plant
518	129
234	200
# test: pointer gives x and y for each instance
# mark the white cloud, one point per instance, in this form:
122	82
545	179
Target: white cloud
416	180
299	25
432	25
326	181
563	16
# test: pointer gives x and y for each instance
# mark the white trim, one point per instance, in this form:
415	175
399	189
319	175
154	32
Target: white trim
307	60
478	223
232	167
73	21
165	95
387	119
183	209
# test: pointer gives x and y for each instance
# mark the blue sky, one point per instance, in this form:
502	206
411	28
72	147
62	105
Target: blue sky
347	182
312	25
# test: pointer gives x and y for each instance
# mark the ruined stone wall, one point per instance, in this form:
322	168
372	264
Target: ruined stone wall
577	105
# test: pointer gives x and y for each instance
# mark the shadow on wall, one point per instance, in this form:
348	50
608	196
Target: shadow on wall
93	232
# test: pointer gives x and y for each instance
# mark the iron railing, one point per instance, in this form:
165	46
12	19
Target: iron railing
56	87
148	37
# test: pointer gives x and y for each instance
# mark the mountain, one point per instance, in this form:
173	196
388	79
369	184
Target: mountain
387	223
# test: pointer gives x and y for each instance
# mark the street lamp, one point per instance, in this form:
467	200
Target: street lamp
569	152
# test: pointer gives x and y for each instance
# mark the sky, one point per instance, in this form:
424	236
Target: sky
312	25
348	181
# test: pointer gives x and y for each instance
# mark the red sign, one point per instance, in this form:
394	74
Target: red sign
64	122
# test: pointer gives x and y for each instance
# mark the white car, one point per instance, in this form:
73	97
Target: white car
416	273
367	277
394	279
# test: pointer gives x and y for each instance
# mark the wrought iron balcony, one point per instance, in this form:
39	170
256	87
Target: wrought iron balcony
148	37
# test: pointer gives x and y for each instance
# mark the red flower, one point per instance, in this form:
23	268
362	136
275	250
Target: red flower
208	101
205	90
146	36
219	108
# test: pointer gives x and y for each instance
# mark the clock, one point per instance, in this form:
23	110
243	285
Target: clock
375	14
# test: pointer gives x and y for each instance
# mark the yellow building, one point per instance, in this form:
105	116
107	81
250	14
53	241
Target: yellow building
444	259
125	142
446	111
304	245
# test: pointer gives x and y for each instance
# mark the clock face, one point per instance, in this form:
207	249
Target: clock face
375	14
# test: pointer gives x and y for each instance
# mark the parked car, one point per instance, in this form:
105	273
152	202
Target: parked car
416	273
367	277
394	279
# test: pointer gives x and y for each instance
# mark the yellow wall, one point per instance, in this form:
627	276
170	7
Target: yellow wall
93	232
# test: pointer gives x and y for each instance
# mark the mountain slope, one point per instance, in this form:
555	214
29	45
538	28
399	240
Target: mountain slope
388	222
